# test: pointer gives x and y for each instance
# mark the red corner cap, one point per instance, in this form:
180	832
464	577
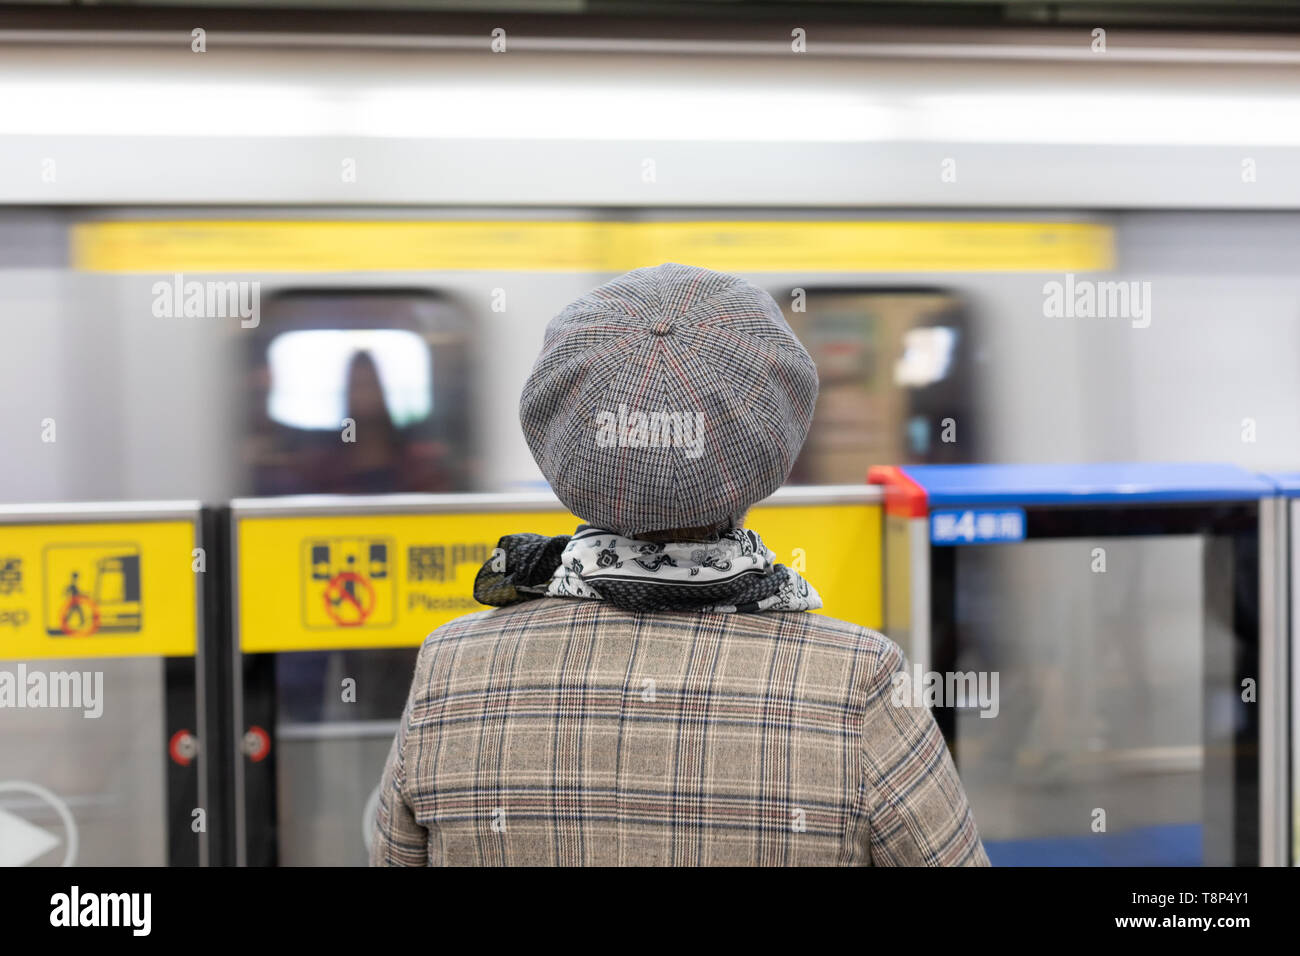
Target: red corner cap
903	496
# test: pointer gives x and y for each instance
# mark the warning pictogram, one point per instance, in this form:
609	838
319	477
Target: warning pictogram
349	599
347	582
92	589
80	615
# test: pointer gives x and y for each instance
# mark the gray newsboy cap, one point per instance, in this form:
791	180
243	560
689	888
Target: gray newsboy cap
672	397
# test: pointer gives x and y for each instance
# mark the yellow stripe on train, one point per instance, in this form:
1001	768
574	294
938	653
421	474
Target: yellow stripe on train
395	246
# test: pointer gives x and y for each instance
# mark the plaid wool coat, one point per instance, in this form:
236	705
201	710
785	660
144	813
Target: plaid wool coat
569	732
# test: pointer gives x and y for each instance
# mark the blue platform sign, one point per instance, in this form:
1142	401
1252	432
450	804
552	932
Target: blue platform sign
976	525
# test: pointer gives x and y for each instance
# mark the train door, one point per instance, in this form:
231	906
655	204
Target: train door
350	392
898	375
359	392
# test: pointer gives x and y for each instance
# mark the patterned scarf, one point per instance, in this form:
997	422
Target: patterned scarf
735	574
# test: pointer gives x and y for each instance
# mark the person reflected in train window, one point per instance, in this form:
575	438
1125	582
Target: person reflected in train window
374	446
378	456
654	689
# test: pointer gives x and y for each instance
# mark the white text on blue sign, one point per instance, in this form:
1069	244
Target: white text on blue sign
977	525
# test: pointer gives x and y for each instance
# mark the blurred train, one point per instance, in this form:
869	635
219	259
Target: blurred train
1187	165
409	215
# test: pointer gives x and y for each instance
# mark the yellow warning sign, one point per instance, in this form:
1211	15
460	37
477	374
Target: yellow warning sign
97	590
364	580
328	581
836	547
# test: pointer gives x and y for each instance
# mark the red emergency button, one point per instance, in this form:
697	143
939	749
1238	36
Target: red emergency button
257	744
183	747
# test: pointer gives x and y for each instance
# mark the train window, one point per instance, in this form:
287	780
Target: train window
351	392
896	381
314	371
359	393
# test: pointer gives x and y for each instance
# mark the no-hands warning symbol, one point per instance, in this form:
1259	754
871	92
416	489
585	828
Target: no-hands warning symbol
347	582
349	599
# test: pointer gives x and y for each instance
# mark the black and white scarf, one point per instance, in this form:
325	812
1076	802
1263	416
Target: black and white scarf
735	574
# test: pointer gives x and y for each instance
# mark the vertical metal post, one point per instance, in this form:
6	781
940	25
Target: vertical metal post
1273	673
